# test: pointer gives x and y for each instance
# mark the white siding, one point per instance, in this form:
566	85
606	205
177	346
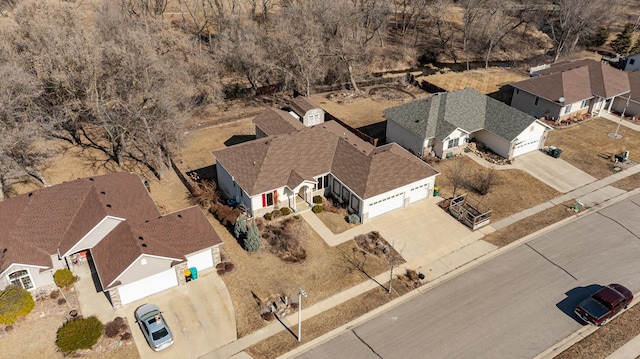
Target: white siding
620	102
144	266
405	138
531	139
496	143
148	286
313	117
525	102
200	261
95	235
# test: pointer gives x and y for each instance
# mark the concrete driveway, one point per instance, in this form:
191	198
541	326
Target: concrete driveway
555	172
199	313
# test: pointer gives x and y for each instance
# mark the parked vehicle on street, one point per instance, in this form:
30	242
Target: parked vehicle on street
604	304
154	327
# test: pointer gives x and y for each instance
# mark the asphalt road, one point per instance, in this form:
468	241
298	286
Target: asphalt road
514	306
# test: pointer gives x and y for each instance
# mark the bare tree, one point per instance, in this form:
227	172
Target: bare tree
295	46
471	14
456	172
349	29
574	19
21	149
499	19
443	28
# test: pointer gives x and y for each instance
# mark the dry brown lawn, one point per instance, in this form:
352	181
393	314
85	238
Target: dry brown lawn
320	324
485	81
588	146
325	272
531	224
514	191
628	183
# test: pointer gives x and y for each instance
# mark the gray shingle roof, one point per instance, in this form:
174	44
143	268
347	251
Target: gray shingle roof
275	161
467	109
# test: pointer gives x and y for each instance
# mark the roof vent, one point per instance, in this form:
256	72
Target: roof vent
144	245
30	194
179	216
91	179
561	99
146	221
254	163
102	192
141	238
108	206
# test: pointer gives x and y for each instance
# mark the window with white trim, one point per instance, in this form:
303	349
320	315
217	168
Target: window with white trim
567	109
21	278
585	103
453	143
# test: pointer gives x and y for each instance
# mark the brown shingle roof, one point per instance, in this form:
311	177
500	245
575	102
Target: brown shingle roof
301	105
276	122
576	80
36	225
264	164
172	236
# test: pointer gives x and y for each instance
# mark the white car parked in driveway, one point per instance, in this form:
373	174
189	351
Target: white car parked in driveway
154	327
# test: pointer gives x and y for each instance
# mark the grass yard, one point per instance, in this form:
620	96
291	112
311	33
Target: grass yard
532	224
588	147
284	341
514	191
325	272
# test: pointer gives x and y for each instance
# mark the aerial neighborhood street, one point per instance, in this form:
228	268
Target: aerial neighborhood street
319	179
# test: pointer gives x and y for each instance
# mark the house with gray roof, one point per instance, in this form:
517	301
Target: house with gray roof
570	89
444	123
288	166
110	221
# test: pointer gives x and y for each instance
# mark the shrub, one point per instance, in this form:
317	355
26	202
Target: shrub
296	217
484	180
126	336
240	229
252	242
317	208
61	301
275	213
317	199
64	278
267	216
353	218
81	333
285	211
15	302
55	294
8	328
113	328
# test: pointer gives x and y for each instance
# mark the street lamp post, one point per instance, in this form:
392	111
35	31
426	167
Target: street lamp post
615	134
301	293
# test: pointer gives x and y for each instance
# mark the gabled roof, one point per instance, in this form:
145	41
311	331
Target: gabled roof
576	81
276	122
37	225
171	236
301	105
438	116
276	161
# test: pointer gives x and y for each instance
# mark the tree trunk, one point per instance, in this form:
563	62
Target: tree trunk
352	78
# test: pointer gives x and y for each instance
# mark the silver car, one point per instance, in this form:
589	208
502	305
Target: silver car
154	327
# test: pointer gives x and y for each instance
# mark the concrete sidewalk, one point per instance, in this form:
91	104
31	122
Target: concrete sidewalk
439	264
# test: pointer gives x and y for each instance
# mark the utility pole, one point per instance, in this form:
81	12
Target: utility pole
616	135
301	293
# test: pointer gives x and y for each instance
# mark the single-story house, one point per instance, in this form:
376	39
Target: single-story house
292	163
444	123
111	221
570	89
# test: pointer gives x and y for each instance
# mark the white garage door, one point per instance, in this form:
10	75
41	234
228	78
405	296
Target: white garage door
150	285
385	205
202	260
419	192
526	146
